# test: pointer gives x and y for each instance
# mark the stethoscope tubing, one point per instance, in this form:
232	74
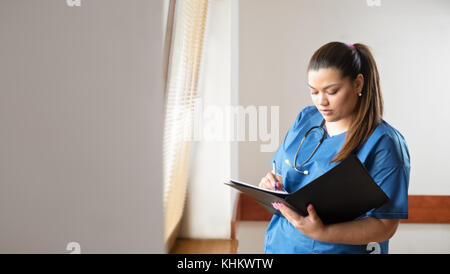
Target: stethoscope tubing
314	151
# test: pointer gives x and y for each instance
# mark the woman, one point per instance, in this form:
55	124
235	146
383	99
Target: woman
345	89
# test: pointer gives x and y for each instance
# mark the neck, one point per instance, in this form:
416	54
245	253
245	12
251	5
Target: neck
338	127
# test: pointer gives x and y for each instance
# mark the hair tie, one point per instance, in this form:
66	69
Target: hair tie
352	46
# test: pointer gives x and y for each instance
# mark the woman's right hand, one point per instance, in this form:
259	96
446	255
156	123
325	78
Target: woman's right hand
269	182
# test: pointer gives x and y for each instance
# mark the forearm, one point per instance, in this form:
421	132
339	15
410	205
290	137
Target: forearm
359	232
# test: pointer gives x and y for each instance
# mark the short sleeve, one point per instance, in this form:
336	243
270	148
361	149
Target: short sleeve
394	182
390	168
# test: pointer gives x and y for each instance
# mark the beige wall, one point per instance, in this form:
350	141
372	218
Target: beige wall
81	111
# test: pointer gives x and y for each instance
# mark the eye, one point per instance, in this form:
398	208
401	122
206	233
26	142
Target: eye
333	92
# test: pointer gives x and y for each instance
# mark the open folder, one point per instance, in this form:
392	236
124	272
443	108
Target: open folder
343	193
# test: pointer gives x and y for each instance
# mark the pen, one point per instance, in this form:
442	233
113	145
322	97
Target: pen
274	171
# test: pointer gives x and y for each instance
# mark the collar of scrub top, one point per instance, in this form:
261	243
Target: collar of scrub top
297	168
294	166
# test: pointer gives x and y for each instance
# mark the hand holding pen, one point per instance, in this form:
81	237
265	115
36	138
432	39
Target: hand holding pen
272	180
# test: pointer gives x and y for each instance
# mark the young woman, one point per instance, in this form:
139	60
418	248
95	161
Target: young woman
345	89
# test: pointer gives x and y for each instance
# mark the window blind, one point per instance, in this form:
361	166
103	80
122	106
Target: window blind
184	68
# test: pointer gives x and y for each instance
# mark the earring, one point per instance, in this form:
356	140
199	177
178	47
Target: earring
360	94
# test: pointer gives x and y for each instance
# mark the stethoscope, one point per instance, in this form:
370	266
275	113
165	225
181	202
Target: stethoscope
294	166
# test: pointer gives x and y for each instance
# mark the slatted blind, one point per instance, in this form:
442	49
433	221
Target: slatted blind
188	39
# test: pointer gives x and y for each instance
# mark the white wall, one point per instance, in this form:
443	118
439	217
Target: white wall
421	239
81	111
410	42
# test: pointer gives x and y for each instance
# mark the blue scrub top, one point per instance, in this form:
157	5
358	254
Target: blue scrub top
386	157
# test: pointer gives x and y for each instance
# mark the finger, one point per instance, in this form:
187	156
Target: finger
279	183
271	178
263	183
269	185
279	178
282	210
312	213
275	205
275	180
290	214
266	184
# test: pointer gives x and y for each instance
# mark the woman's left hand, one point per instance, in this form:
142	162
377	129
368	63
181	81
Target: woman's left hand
311	225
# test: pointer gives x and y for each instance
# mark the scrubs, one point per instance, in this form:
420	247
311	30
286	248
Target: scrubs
384	154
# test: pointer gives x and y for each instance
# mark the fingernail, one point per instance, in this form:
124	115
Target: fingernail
274	205
280	205
310	207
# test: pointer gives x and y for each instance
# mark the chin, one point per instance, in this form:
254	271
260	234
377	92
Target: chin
330	118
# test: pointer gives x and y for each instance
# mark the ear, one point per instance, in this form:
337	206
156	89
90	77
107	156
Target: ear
358	83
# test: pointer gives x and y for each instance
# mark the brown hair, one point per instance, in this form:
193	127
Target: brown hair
352	60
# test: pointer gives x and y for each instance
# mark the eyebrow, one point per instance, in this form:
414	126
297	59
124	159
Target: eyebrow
327	87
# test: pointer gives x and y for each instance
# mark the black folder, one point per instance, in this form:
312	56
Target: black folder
341	194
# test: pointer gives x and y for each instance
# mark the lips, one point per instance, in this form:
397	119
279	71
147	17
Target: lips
326	111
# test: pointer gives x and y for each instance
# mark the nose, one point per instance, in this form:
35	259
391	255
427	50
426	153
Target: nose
322	99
